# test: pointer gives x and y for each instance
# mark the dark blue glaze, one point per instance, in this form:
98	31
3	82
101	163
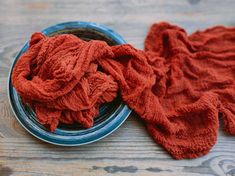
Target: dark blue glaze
111	116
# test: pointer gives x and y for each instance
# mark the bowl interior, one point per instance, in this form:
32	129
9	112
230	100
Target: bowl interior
87	34
105	109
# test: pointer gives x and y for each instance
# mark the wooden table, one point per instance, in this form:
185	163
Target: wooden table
129	150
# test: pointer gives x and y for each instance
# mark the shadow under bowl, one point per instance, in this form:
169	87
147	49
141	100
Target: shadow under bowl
111	116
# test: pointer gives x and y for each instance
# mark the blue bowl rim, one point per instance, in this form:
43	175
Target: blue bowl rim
109	125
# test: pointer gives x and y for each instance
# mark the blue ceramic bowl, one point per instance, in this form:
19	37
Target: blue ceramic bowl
112	115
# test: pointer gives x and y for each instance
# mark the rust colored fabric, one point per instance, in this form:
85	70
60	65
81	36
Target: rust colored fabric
179	85
58	77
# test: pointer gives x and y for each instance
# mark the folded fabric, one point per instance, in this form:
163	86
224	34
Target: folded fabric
179	85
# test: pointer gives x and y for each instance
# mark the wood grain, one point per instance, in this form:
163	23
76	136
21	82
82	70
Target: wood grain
129	150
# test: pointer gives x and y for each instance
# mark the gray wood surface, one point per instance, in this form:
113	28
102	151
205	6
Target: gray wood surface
129	150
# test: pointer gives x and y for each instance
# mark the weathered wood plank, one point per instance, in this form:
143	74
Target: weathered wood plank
129	150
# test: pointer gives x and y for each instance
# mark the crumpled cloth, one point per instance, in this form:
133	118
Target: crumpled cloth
179	85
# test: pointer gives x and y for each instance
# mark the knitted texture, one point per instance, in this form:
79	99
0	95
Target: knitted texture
179	85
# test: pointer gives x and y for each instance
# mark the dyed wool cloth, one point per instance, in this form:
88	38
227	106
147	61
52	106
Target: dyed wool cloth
179	85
